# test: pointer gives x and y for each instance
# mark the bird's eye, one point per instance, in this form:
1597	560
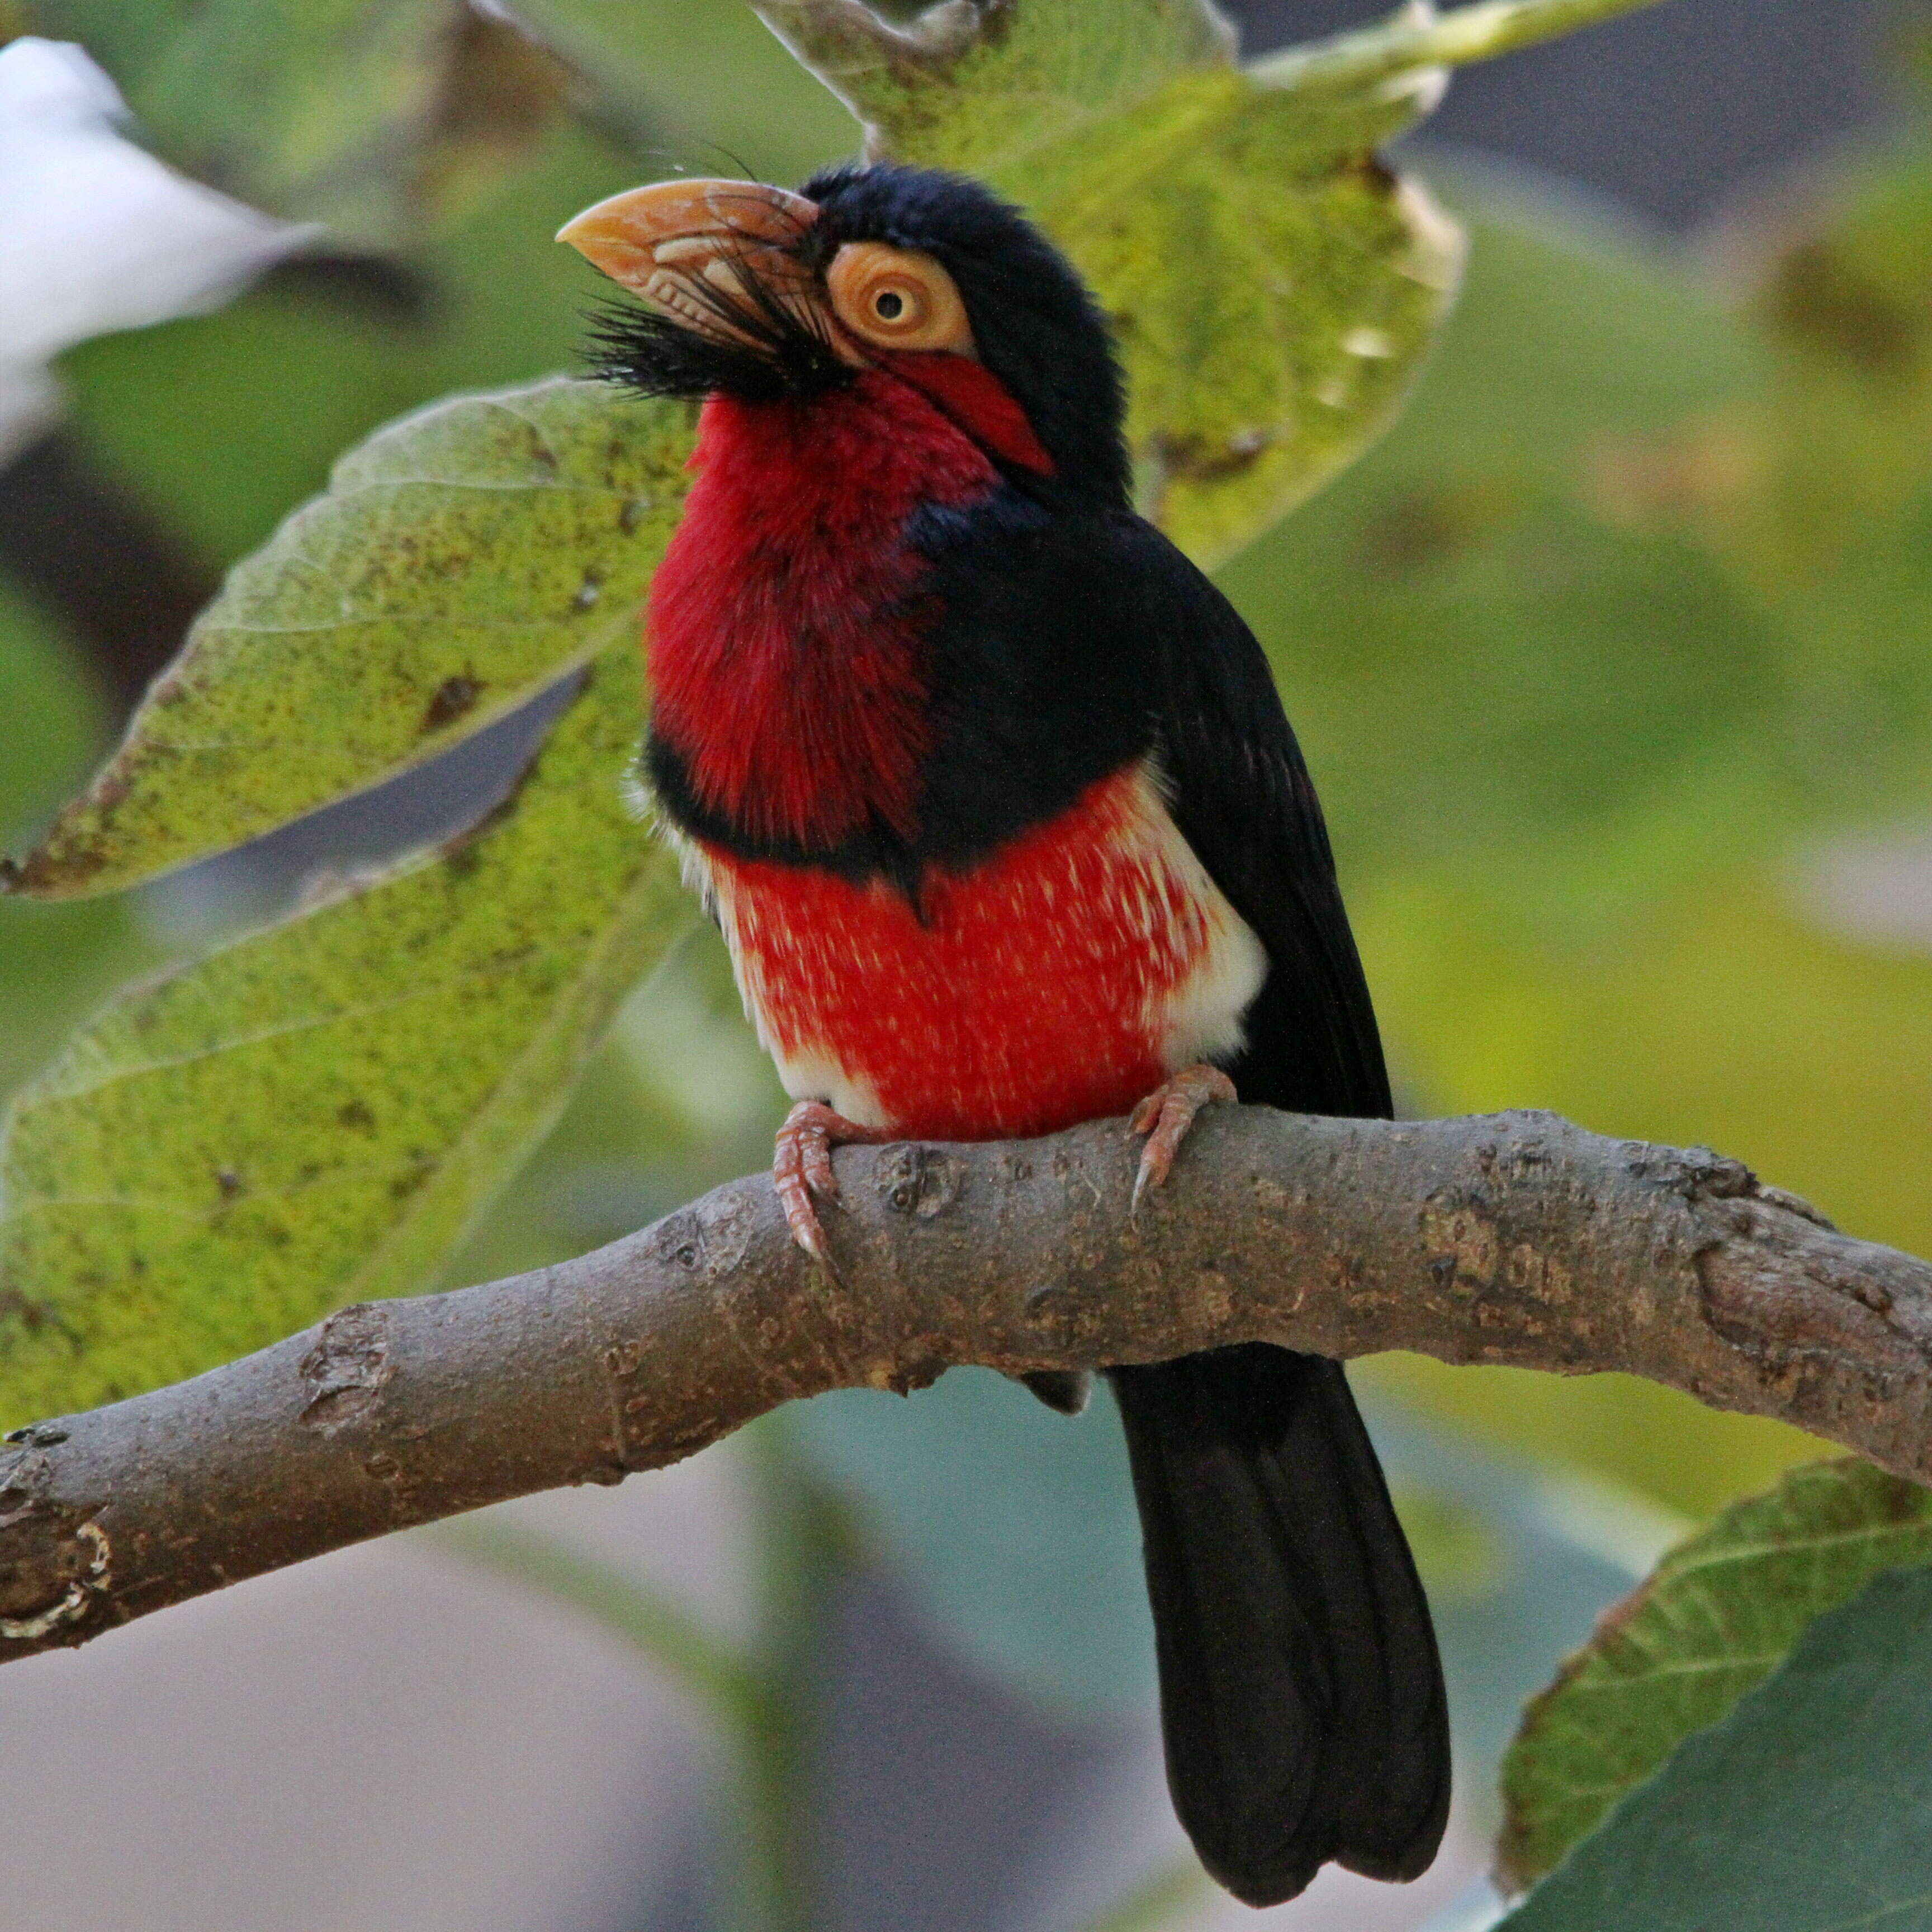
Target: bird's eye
897	299
898	304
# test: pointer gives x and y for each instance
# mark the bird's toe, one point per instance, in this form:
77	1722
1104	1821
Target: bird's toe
1165	1116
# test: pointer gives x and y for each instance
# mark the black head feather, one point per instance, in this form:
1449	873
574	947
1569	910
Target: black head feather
1034	324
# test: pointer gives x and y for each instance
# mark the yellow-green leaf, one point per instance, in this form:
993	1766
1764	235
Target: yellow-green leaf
1274	289
1716	1618
461	559
971	86
313	1115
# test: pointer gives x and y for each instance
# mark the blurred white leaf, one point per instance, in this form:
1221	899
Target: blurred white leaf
1606	1520
1476	1910
1873	888
95	234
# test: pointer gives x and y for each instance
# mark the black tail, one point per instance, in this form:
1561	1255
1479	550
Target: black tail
1300	1692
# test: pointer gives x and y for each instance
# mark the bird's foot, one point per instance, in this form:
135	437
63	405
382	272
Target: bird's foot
1165	1116
801	1168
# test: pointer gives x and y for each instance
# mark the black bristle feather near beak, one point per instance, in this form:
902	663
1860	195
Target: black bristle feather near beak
653	353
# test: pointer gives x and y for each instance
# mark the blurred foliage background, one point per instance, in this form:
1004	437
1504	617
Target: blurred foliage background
1609	662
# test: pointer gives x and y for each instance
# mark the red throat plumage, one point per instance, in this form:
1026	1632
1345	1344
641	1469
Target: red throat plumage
786	661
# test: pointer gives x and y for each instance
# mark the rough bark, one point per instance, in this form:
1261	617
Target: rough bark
1514	1237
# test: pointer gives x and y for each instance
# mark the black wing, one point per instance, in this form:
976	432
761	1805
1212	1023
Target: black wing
1243	799
1301	1695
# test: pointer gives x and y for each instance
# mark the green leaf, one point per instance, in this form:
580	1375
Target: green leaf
1808	1809
462	559
1274	287
1716	1618
971	87
314	110
369	116
697	79
314	1115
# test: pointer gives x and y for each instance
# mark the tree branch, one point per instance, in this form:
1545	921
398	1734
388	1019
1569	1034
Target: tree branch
1511	1237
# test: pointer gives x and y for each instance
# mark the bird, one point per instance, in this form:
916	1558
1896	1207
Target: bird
991	794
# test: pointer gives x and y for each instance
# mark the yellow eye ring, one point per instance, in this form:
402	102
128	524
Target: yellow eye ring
897	299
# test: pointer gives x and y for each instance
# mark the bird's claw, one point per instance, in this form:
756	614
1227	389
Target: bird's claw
1165	1116
802	1169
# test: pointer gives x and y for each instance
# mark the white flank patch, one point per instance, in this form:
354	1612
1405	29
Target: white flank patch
1201	1018
805	1075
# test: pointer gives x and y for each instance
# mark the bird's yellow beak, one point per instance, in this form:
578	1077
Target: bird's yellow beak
691	248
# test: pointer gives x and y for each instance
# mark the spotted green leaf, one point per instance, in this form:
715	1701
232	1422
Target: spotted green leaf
970	86
1718	1616
1273	286
461	559
1274	289
1807	1808
314	1114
